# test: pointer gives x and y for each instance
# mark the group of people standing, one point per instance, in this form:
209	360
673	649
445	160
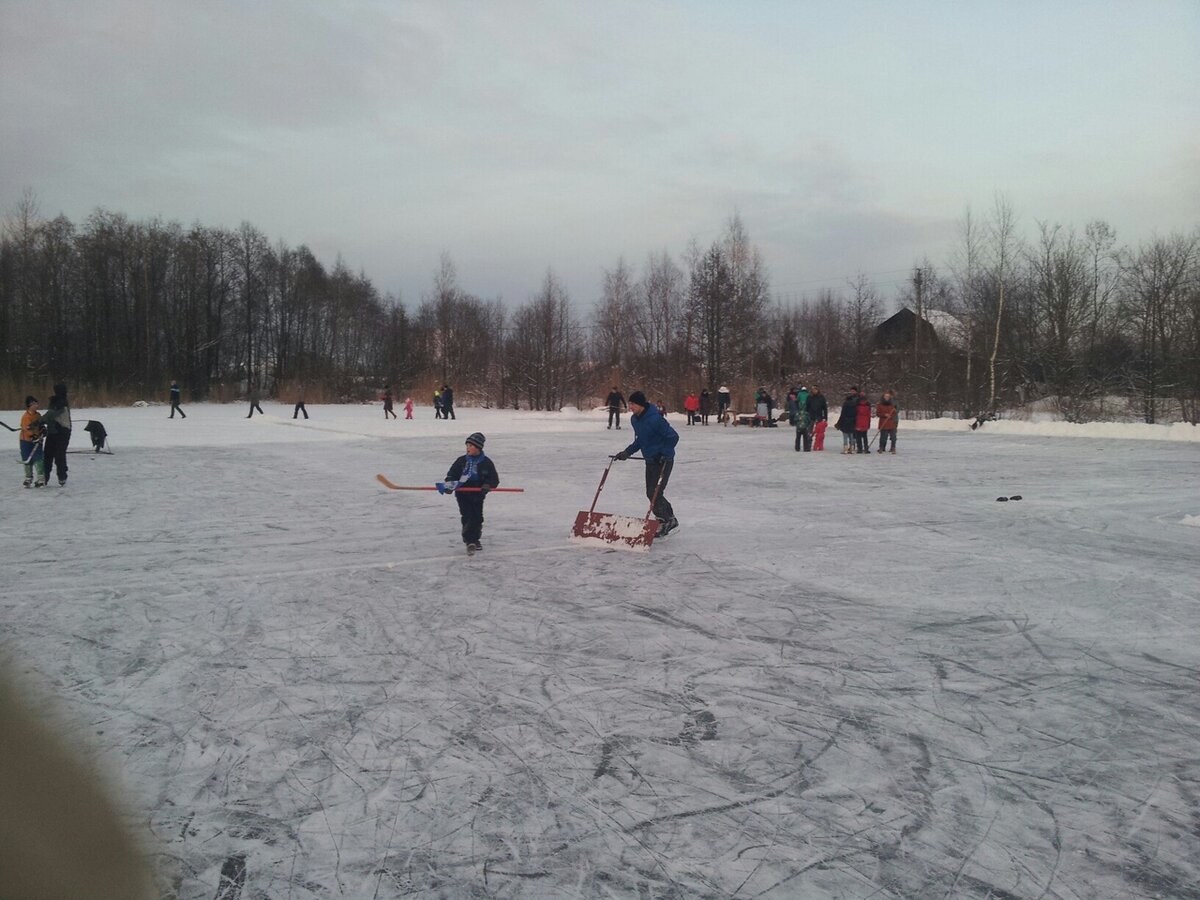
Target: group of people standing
854	422
699	408
443	403
808	411
44	438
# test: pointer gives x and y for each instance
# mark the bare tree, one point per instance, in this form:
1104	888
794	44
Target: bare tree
613	320
862	315
1159	289
1004	246
544	348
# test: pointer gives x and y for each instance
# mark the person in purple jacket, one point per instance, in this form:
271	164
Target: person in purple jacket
654	436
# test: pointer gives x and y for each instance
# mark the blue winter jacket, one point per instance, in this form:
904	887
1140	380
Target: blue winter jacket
652	434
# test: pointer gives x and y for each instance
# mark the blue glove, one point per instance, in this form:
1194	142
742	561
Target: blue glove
446	487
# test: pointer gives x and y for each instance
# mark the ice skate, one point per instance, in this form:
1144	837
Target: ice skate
666	526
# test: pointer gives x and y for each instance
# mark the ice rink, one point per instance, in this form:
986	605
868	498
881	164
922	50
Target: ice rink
842	677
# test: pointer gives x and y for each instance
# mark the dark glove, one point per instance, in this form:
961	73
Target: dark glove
622	456
484	488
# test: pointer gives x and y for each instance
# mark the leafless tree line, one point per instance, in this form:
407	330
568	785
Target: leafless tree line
120	308
1068	316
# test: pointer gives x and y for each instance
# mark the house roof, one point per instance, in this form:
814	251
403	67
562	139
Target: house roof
950	329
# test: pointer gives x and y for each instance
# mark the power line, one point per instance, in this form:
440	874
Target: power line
842	278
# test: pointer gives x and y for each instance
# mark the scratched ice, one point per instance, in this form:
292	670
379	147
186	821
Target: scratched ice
841	677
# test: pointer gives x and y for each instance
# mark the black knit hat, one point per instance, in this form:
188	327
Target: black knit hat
639	398
30	399
477	439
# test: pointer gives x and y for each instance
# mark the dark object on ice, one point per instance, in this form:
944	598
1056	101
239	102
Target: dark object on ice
981	418
1001	499
1015	497
97	433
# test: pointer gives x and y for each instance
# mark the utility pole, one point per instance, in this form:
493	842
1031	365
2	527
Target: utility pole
918	283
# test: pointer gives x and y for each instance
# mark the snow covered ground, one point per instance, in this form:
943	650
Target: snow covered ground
842	677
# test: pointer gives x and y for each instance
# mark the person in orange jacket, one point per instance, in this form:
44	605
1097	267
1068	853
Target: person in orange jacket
31	444
691	406
889	416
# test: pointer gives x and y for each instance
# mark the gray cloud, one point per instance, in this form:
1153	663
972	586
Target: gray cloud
519	136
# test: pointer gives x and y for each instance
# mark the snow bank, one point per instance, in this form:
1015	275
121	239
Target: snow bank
1046	427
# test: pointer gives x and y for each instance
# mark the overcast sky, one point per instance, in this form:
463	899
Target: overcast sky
521	136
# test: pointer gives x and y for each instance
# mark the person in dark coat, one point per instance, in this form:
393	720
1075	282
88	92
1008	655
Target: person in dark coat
889	417
472	469
862	423
797	414
98	433
388	401
705	406
254	397
845	422
654	436
615	403
57	420
818	412
175	397
299	407
448	402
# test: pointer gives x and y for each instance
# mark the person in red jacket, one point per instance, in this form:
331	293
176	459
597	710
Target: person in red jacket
691	406
862	423
889	415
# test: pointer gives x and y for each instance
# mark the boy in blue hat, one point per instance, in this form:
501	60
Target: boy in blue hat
473	470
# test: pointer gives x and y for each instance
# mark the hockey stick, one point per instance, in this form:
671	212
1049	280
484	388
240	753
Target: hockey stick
398	487
9	427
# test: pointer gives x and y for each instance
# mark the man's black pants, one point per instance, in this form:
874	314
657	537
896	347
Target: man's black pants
656	467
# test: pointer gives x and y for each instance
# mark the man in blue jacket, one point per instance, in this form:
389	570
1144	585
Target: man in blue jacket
654	436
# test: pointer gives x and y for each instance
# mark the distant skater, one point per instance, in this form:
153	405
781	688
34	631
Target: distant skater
448	402
299	408
615	403
175	396
472	469
387	402
254	403
408	408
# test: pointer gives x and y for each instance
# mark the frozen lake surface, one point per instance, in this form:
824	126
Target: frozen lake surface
842	677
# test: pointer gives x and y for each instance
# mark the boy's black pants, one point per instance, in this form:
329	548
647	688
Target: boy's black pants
470	507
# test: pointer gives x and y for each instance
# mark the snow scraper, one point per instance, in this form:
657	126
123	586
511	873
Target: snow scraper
606	529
